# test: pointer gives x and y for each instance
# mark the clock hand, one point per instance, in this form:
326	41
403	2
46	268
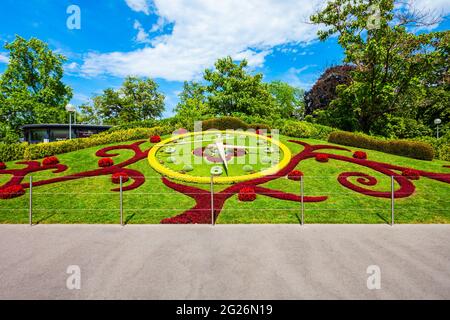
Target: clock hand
220	148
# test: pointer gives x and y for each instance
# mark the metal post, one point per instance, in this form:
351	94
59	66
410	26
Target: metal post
212	200
437	131
30	211
302	200
121	202
392	200
70	125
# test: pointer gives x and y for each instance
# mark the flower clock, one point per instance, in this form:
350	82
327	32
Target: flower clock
242	162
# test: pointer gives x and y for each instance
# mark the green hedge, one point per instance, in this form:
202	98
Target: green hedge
407	148
41	150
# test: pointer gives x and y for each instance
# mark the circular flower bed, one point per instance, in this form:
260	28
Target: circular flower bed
155	139
11	192
247	194
321	157
360	155
105	162
115	178
295	175
2	166
411	174
50	161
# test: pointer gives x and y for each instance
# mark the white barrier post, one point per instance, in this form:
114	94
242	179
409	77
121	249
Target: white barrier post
302	199
392	200
30	211
121	202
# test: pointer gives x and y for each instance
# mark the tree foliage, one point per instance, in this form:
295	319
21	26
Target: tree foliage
395	69
288	99
31	88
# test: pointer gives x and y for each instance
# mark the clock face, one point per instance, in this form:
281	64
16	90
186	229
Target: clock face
227	156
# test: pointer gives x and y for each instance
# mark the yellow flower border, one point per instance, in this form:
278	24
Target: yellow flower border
222	180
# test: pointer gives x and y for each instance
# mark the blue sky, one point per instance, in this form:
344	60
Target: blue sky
176	40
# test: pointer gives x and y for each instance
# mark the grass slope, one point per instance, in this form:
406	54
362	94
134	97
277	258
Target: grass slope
89	200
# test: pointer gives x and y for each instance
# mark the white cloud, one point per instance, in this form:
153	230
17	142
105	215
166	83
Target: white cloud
204	31
139	6
297	77
142	36
436	6
3	58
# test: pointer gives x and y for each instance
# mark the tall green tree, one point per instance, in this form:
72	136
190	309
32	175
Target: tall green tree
137	99
231	89
288	99
31	88
392	63
193	102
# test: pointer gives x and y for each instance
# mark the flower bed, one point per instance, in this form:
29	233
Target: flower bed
295	175
247	194
322	157
50	161
105	162
155	139
11	192
115	178
360	155
2	166
411	174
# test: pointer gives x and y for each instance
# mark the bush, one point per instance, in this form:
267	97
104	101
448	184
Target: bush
155	139
413	149
295	175
50	161
224	123
14	151
247	194
441	146
115	178
360	155
322	157
105	162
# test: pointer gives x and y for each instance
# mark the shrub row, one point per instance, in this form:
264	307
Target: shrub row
224	123
41	150
406	148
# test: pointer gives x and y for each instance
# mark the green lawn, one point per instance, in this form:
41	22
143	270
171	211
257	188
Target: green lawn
89	200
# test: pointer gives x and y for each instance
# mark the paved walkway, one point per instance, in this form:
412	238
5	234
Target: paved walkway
225	261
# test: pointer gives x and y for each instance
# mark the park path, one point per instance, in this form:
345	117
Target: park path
225	261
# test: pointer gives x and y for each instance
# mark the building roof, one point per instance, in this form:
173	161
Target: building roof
64	126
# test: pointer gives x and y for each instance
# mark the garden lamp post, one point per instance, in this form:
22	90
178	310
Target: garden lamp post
70	108
437	122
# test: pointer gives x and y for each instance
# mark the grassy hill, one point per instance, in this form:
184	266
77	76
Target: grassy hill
90	199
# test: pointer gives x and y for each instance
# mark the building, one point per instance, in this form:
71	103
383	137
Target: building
35	133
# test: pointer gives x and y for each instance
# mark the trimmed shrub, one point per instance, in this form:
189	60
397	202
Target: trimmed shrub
297	129
413	149
360	155
155	139
224	123
247	194
295	175
12	192
13	151
322	157
50	161
115	178
105	162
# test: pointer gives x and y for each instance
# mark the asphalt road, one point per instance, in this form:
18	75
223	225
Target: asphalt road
225	261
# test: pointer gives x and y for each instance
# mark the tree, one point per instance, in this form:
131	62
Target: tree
232	90
193	102
137	99
391	63
31	88
324	90
288	99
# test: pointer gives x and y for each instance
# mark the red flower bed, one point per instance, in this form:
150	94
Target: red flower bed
322	157
247	194
411	174
2	166
155	139
115	178
50	161
11	192
360	155
295	175
105	162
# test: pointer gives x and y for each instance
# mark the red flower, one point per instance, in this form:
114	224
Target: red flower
2	166
155	139
105	162
360	155
322	157
50	161
411	174
11	192
115	178
295	175
247	194
180	131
